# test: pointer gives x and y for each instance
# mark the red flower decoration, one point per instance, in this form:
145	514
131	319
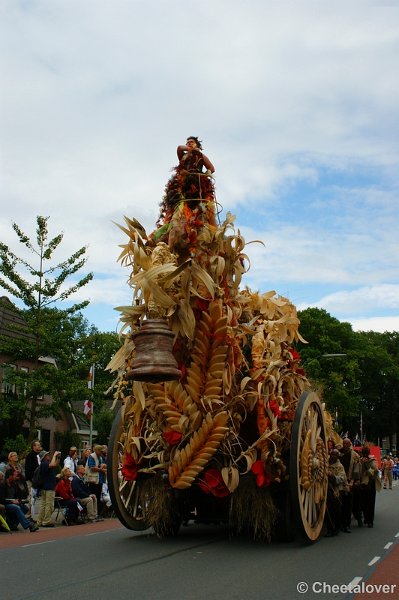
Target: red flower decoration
295	355
183	370
213	484
172	437
263	479
129	468
275	408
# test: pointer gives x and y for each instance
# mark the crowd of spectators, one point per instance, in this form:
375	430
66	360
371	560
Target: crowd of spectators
78	486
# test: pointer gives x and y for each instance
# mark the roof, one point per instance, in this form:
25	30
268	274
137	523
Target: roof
12	323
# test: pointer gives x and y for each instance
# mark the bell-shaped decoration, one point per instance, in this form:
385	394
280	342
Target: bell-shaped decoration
154	360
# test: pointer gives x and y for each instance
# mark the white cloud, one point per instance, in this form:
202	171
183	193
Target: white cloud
380	324
288	99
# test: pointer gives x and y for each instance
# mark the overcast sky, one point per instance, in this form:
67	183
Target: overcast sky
298	108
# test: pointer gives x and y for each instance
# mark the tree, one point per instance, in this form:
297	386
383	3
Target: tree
44	286
379	384
337	377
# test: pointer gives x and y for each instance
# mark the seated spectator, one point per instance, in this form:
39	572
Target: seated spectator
13	463
64	490
20	483
2	504
15	505
82	493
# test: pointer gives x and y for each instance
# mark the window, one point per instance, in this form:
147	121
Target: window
6	387
22	389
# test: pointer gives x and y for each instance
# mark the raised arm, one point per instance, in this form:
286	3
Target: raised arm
207	164
181	150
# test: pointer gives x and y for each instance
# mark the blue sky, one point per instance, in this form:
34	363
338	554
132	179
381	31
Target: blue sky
298	108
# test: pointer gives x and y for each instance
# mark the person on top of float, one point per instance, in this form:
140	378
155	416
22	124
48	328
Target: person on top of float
188	201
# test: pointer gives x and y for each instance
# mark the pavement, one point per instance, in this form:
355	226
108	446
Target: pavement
23	537
376	586
26	538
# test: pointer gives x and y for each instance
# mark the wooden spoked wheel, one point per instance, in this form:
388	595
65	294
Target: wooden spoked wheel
308	466
125	495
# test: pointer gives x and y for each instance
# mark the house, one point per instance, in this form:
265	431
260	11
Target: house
12	326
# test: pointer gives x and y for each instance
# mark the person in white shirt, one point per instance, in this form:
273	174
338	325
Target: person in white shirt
71	460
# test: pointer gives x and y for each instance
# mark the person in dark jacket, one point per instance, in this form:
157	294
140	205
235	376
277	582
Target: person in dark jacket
32	461
12	497
48	474
82	493
369	483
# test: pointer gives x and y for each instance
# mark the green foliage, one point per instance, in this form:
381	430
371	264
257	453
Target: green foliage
364	381
45	331
17	444
45	285
65	440
103	423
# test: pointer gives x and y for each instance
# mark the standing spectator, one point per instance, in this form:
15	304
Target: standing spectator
71	461
105	453
351	463
369	482
337	485
82	493
387	468
48	475
32	461
95	472
64	490
85	455
12	496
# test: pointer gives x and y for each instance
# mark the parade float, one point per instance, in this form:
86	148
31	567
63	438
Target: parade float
216	419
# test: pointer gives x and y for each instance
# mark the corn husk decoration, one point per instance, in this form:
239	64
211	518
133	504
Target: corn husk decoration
234	349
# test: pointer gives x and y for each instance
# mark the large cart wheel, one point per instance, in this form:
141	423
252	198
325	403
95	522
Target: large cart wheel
308	466
125	495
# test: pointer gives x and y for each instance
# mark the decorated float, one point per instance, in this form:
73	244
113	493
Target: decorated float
217	421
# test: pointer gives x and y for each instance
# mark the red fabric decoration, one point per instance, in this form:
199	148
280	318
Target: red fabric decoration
213	484
263	479
275	408
172	437
129	468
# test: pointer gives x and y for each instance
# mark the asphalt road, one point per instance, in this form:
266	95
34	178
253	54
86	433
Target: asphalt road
107	562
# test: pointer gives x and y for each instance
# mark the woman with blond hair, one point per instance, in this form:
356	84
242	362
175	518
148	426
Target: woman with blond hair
64	490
